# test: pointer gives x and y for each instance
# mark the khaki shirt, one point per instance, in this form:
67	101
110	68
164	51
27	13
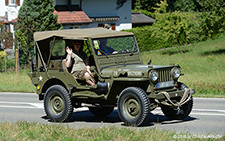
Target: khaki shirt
78	64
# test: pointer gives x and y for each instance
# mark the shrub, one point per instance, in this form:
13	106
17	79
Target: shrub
2	60
170	29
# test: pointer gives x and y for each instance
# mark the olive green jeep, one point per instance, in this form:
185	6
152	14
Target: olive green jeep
122	80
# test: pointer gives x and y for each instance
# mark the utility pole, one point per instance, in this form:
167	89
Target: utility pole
3	46
16	61
5	63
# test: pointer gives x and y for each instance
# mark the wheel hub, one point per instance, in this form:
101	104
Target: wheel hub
57	104
132	107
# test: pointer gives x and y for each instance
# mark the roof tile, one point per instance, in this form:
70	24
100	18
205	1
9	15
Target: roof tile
72	17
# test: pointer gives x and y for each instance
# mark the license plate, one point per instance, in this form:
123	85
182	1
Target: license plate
165	84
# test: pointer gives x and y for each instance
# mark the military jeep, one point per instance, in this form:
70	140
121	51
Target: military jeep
122	80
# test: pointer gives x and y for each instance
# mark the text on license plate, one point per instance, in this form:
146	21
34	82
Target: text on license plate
165	84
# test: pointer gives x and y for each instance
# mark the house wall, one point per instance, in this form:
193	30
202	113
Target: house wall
11	9
104	8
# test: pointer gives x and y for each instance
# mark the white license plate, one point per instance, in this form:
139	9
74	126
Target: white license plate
165	84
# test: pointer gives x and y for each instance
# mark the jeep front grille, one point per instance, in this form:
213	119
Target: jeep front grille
164	75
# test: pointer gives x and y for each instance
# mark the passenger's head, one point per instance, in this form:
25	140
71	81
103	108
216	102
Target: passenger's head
77	46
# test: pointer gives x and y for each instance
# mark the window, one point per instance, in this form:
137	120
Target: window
59	49
113	26
100	25
75	27
116	45
12	2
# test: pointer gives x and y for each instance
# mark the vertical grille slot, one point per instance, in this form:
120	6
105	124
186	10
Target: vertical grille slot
164	75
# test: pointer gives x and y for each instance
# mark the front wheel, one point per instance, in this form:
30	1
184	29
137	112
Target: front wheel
57	104
181	112
133	106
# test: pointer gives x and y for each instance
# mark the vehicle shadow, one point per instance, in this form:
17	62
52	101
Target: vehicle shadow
86	116
161	119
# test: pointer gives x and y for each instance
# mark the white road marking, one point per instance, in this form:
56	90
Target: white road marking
5	104
206	112
210	110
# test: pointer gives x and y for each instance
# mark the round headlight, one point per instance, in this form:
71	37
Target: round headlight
154	75
176	73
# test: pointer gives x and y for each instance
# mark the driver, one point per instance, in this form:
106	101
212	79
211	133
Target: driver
103	47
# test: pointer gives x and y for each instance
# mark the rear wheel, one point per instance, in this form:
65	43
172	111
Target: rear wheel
181	112
101	112
57	104
133	106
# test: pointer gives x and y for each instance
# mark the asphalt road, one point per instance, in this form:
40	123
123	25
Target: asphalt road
206	118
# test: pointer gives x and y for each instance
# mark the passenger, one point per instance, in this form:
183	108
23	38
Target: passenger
80	68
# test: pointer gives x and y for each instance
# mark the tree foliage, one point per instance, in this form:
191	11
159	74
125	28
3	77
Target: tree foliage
179	28
173	5
34	15
144	4
211	21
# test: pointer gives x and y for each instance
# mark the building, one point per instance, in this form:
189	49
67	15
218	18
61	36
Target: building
76	14
139	19
9	10
93	13
80	13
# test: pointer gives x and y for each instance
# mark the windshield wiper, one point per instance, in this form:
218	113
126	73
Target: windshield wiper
132	53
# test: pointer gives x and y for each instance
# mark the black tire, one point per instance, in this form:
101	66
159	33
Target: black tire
133	106
184	111
57	104
101	112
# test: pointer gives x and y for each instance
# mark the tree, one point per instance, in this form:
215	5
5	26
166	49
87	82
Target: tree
34	15
183	5
211	20
144	4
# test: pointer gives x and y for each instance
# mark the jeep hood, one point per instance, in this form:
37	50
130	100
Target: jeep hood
137	70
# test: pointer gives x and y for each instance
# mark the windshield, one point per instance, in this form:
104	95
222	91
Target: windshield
117	45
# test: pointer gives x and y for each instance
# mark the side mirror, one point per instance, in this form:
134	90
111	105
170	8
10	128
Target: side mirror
149	62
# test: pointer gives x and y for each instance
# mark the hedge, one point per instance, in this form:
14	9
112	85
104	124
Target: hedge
176	28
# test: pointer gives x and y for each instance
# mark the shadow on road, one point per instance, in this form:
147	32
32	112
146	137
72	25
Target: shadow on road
86	116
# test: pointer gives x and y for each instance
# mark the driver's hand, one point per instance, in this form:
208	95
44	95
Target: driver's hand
114	52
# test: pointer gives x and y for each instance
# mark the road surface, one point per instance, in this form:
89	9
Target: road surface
206	118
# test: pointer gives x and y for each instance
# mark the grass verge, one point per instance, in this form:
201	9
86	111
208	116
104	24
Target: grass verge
36	131
10	82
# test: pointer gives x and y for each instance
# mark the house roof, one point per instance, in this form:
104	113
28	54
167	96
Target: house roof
139	18
67	17
79	34
13	21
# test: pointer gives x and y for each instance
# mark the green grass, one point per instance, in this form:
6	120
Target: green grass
203	65
35	131
10	82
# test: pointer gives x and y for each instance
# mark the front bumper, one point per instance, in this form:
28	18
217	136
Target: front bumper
172	94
